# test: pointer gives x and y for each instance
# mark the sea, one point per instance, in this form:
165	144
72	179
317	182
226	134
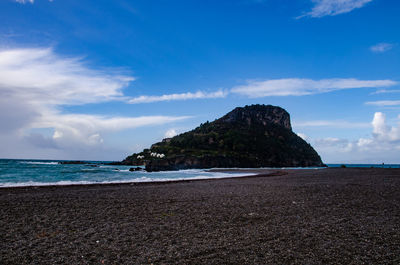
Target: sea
19	173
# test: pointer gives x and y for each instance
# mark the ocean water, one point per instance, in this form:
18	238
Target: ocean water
14	173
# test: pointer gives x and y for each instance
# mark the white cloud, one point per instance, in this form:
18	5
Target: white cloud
385	91
335	124
383	103
303	136
379	124
28	1
170	133
34	86
383	145
88	129
382	131
341	145
25	1
334	7
300	87
182	96
40	76
382	47
364	142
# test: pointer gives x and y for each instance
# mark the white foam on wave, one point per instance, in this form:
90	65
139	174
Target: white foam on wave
266	168
201	176
35	183
302	168
39	163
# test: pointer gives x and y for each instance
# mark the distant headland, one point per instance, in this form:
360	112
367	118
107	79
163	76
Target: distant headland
247	137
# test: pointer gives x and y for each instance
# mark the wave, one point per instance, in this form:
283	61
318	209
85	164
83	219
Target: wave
135	180
39	163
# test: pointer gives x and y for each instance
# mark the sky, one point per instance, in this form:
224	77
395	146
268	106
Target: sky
100	80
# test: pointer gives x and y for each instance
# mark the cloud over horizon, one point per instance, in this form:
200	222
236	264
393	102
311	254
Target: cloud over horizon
36	83
383	144
332	123
301	87
170	133
323	8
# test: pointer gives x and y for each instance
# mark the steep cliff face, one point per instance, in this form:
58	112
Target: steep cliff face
252	136
258	115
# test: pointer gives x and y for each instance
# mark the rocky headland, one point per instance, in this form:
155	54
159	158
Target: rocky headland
247	137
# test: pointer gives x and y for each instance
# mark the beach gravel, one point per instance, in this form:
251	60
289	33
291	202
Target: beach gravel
325	216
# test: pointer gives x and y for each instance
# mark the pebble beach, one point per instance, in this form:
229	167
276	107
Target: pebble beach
313	216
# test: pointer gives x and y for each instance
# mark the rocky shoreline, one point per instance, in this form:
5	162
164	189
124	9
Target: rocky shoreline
327	216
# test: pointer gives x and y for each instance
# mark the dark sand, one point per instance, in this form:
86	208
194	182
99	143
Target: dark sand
329	216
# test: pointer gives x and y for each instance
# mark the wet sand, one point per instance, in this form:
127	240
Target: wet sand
327	216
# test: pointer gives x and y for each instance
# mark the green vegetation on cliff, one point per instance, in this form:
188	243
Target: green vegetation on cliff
253	136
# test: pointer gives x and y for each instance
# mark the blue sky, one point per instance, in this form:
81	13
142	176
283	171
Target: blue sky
99	80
